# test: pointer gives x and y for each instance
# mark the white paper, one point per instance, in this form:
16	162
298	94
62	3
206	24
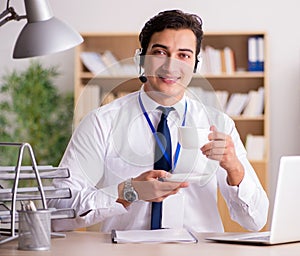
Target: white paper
153	236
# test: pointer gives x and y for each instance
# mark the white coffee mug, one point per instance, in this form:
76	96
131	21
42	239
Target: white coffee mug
193	137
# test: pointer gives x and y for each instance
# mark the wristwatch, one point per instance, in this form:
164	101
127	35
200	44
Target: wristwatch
129	194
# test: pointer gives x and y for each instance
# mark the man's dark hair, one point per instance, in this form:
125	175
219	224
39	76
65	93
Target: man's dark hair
171	19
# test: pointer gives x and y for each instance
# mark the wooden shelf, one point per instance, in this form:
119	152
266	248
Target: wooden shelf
234	75
248	118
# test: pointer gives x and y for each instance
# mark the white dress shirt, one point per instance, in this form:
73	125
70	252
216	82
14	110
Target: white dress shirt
115	142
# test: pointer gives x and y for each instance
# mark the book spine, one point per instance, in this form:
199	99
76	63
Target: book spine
260	53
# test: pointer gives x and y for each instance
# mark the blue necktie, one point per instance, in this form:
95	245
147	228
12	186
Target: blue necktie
161	162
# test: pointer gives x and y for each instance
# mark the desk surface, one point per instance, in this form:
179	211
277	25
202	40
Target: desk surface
82	243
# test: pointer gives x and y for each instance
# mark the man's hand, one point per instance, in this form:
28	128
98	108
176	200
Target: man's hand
221	148
150	188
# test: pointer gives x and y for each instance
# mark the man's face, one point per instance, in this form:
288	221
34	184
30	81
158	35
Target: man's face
169	64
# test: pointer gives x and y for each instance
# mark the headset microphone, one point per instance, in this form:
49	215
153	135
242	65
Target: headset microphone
143	79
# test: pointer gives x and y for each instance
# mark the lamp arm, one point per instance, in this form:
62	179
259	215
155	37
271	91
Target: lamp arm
13	16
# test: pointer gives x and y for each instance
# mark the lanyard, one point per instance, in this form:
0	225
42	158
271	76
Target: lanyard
157	138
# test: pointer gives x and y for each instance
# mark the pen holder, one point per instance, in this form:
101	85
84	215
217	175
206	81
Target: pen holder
34	230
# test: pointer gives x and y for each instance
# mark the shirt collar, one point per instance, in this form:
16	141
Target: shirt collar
151	105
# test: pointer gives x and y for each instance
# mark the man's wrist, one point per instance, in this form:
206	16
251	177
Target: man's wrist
235	177
126	193
121	199
129	193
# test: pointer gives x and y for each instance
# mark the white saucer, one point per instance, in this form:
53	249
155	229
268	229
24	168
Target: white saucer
186	177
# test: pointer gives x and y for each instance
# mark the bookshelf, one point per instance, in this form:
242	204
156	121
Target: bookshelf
240	80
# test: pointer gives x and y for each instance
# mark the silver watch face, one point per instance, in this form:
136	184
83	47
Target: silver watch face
130	196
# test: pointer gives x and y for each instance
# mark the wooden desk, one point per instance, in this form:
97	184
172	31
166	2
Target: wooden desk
82	243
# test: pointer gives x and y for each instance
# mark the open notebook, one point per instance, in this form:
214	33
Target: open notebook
285	223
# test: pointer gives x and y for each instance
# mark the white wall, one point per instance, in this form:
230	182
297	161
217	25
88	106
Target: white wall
280	19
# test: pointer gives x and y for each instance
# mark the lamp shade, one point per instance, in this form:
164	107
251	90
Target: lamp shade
43	34
45	37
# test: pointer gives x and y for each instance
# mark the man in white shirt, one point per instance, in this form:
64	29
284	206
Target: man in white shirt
111	153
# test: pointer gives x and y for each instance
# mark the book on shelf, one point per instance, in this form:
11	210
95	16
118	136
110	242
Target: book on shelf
256	53
260	53
236	103
212	60
217	61
112	64
255	105
255	147
249	104
229	60
93	62
107	64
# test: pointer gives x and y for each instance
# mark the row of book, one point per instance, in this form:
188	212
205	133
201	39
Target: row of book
249	104
107	64
212	61
222	61
217	61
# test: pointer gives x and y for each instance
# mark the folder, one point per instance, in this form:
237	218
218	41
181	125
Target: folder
256	53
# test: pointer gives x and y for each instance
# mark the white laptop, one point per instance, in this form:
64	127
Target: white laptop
285	223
